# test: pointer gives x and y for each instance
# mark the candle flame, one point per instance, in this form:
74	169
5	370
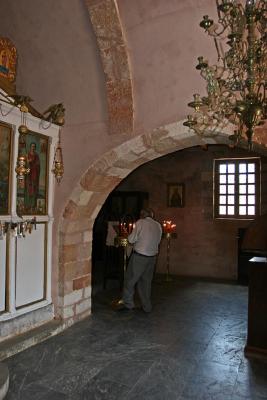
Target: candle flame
168	226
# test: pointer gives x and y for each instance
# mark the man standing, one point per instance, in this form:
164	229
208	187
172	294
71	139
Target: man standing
145	238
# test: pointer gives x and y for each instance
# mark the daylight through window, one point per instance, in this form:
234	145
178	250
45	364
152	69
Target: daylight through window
236	188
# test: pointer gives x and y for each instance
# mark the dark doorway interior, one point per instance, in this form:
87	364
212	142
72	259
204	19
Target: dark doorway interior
107	259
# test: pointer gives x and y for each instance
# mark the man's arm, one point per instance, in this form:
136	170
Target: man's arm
133	237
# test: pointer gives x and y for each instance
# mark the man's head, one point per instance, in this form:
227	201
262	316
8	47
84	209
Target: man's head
147	212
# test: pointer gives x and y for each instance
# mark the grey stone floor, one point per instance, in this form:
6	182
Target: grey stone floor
189	347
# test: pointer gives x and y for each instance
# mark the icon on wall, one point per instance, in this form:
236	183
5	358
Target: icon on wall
5	159
32	194
175	195
8	59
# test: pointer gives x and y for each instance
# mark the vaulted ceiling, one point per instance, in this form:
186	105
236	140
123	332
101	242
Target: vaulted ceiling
121	67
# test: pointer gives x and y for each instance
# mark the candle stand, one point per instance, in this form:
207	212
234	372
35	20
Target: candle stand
168	233
168	278
122	241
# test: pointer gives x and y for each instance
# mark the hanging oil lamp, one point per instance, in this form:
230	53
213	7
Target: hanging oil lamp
23	129
58	166
22	170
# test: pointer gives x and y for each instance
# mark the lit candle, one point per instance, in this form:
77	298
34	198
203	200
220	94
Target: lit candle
168	227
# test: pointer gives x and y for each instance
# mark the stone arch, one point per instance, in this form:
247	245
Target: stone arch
105	19
99	180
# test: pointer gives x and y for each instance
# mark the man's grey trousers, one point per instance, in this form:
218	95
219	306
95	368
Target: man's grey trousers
140	270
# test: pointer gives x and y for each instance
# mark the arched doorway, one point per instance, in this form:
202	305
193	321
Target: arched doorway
205	247
75	236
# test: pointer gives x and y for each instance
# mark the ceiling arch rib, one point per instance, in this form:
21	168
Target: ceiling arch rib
107	26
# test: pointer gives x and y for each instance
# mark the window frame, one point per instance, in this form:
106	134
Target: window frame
236	216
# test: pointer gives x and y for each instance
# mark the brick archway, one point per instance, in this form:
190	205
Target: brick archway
76	225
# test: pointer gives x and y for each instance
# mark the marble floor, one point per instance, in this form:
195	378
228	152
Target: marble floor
190	347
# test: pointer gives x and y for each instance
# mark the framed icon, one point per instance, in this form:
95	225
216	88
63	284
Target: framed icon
32	192
175	194
5	167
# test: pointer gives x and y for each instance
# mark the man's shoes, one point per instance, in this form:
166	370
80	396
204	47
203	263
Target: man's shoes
120	306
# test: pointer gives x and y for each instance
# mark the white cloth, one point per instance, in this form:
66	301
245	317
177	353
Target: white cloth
146	236
111	234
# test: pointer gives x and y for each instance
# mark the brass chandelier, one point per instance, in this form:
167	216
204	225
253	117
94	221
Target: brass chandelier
236	86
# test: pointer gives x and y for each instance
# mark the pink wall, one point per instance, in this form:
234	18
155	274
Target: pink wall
164	40
59	62
204	246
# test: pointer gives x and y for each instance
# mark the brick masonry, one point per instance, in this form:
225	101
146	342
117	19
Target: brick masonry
88	197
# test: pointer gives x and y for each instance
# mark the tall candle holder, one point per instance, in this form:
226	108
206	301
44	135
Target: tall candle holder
125	228
169	232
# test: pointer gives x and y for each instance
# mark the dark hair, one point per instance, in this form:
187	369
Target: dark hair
147	212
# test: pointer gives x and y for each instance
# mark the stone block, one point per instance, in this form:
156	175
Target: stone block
84	224
87	236
73	298
69	253
87	292
85	314
138	145
81	282
68	287
74	238
67	312
70	211
83	306
96	182
84	251
96	211
106	162
84	198
120	172
120	104
76	269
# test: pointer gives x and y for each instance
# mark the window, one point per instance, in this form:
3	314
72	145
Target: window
237	188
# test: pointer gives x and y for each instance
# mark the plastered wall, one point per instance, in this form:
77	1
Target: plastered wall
204	247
